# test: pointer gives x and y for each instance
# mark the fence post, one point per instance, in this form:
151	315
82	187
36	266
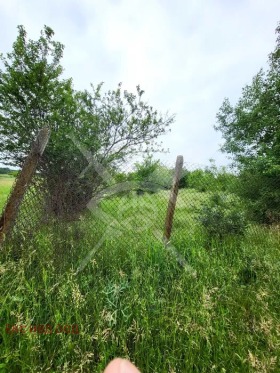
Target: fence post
23	180
173	198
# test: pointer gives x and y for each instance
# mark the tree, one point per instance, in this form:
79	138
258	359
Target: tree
251	130
151	176
32	93
110	126
200	179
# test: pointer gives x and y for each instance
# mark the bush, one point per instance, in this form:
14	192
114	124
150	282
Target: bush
212	178
184	180
222	216
200	180
13	173
259	188
151	176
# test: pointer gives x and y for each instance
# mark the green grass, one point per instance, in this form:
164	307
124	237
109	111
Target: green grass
133	299
6	183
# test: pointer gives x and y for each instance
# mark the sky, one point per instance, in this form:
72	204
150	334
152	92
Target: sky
186	55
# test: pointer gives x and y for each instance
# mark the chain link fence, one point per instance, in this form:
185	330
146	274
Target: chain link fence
130	204
88	267
31	214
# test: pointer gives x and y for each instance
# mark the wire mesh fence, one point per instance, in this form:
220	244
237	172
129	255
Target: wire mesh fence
130	204
105	268
31	214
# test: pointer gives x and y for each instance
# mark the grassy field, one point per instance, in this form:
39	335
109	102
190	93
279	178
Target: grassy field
110	275
6	183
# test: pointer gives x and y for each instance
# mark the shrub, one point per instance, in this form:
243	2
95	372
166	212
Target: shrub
259	188
200	180
222	216
13	173
184	180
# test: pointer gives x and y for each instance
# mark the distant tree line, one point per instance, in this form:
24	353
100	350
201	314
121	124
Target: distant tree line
4	170
8	171
151	176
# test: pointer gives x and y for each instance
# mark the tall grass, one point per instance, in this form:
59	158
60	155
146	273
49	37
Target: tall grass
6	183
133	299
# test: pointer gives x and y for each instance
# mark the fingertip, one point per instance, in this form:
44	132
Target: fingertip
121	366
114	366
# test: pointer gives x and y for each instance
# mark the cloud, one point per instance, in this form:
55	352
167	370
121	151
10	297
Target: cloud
186	55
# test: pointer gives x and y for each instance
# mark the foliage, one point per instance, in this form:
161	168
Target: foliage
223	179
260	189
32	93
200	179
86	125
252	136
144	171
222	216
183	183
13	173
4	170
211	178
149	175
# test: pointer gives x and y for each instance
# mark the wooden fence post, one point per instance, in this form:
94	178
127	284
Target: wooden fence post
173	198
23	180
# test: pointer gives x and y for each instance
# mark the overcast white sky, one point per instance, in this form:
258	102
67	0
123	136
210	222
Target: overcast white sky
186	55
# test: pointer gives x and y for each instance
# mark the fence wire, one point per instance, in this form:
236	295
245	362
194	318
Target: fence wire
129	206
